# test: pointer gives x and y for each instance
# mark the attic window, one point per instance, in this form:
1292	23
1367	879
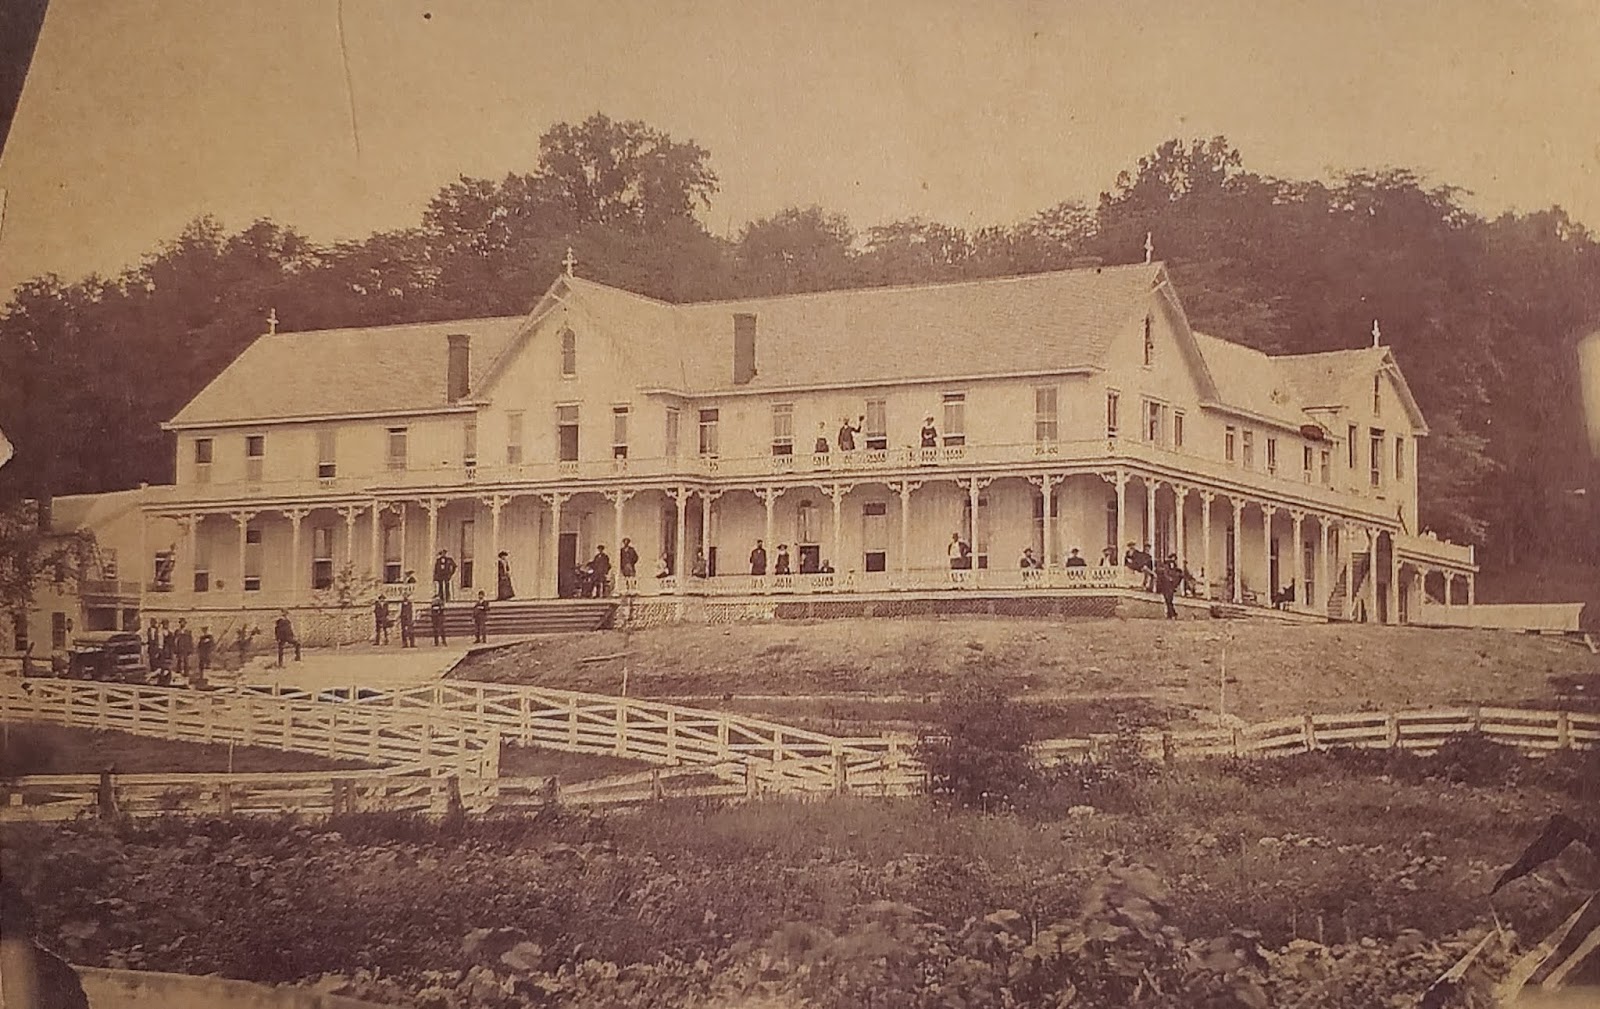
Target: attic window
569	353
1377	395
1149	341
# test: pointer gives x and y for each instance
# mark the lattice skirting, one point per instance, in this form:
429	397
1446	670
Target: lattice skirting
315	628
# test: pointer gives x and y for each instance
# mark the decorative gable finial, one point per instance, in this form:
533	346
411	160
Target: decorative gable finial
272	322
569	261
1377	334
1149	247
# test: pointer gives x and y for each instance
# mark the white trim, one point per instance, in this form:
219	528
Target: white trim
864	387
460	406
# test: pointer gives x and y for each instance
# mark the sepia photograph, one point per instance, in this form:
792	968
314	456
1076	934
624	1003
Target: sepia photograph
741	504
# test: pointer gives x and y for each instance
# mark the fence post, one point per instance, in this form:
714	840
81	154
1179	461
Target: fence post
622	728
288	727
841	774
523	728
1477	719
724	751
1392	730
572	722
656	791
134	704
672	736
170	703
1238	740
1310	734
106	797
225	799
333	731
750	784
102	702
552	790
452	786
1563	730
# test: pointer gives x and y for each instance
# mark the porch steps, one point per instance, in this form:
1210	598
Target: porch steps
517	617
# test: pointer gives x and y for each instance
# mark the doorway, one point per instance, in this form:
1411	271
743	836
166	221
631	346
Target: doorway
566	565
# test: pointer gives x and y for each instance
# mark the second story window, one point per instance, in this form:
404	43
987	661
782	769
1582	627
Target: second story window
327	463
1177	429
1045	425
567	433
1249	450
469	443
1350	448
783	429
569	353
1308	462
514	438
955	418
202	460
619	431
1153	416
1377	457
708	433
876	428
1399	457
1327	468
1230	444
1112	400
255	454
1272	454
397	449
674	428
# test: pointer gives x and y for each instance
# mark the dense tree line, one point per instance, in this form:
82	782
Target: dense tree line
1482	314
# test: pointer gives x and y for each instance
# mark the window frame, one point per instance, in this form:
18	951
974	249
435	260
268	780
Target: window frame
710	428
562	424
782	428
255	457
672	441
397	462
1113	413
569	352
1177	428
1247	448
1377	441
875	429
516	421
954	409
621	422
1230	444
1046	423
1149	341
1272	454
327	453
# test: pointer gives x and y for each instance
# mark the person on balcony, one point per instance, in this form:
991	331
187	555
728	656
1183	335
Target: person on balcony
628	559
502	567
601	567
959	552
700	568
847	433
930	434
1029	562
826	568
781	565
821	447
758	560
444	569
1108	556
1075	560
1147	557
663	566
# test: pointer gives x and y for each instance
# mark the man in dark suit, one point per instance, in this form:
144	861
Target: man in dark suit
283	632
408	623
758	560
436	616
444	569
480	620
601	566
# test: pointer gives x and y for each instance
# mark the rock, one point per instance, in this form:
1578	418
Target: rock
1079	812
488	943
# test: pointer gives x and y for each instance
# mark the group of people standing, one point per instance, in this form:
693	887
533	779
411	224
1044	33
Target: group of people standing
170	649
1164	577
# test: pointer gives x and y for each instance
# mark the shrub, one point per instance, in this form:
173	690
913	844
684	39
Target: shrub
1471	758
980	753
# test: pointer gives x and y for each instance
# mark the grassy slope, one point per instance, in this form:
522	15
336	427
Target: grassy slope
1273	669
56	749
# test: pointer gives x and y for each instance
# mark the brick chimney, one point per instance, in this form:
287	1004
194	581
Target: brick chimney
457	366
744	348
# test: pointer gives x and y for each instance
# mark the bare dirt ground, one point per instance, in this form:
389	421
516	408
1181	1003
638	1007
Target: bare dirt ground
888	670
36	748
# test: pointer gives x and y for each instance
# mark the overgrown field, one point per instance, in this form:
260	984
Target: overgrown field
1174	669
1331	880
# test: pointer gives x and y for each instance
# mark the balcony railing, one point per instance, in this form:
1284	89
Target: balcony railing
909	461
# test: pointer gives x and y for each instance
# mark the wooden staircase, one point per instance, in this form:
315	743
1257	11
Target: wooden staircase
518	617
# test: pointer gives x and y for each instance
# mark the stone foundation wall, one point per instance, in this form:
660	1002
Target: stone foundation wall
316	628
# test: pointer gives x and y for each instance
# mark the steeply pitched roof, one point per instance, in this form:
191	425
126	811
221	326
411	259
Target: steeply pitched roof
1325	379
1251	381
337	372
72	512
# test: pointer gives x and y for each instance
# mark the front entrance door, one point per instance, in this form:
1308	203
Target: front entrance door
566	565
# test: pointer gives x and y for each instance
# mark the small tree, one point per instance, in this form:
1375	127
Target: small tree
28	552
346	590
980	753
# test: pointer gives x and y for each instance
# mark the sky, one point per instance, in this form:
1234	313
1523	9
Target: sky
139	115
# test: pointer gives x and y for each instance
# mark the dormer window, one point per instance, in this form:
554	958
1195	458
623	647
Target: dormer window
569	353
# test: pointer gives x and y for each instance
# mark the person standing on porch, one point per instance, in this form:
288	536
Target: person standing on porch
408	623
1029	562
1075	560
700	568
847	433
182	647
821	447
957	551
758	560
601	566
502	577
930	434
628	559
444	569
436	617
781	564
480	621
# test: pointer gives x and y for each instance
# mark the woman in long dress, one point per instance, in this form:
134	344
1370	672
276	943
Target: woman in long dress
503	578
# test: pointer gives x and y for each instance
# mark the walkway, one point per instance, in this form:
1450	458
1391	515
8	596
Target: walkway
363	665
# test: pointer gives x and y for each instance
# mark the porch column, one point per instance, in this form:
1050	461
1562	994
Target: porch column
375	562
1121	480
1238	550
1394	581
680	499
706	497
433	505
350	512
295	516
1047	492
1419	591
905	489
243	518
191	529
1300	595
496	503
1372	575
836	493
1349	558
554	499
1324	590
972	518
1150	485
1471	588
769	497
1267	511
618	498
1180	497
1206	577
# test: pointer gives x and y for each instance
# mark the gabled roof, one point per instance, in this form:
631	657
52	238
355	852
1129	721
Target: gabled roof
73	512
1251	381
342	372
1339	378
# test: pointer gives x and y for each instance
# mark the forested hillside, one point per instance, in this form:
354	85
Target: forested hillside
1483	315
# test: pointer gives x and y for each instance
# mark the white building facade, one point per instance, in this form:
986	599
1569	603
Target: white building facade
1070	411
